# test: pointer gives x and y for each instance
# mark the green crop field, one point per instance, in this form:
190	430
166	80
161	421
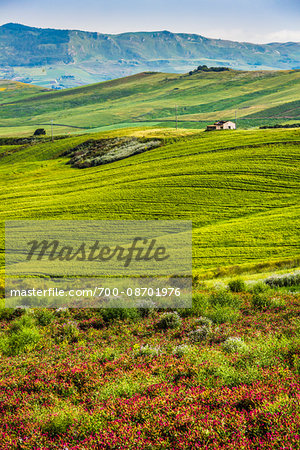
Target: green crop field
240	189
259	97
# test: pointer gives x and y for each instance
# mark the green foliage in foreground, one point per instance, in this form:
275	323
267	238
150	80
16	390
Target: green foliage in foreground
22	336
65	379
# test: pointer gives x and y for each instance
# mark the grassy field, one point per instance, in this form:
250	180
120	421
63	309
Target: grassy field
240	189
260	98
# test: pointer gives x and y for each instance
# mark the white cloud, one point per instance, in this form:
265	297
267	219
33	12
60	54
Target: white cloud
253	36
284	36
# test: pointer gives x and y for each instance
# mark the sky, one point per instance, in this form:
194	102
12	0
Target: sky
258	21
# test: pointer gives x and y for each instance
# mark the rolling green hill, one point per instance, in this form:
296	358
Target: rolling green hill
260	98
12	91
241	190
287	110
69	58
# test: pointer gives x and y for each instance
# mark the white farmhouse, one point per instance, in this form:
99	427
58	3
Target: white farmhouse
222	125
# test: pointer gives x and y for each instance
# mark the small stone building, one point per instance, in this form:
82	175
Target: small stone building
222	125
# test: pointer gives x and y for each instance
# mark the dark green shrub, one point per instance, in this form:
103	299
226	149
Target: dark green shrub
259	288
264	301
43	316
25	321
146	308
234	345
19	342
58	424
169	320
200	304
112	314
39	132
7	314
237	285
224	298
223	314
260	301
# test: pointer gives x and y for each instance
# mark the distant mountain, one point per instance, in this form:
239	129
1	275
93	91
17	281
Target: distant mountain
66	58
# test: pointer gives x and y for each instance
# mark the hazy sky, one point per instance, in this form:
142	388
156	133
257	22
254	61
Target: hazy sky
244	20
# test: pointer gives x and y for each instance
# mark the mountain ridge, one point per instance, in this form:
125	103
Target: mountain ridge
68	58
15	25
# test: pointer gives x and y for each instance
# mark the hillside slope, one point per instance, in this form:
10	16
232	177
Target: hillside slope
12	91
74	57
240	190
151	97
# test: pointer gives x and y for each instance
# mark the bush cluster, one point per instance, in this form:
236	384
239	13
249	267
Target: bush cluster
237	285
146	307
204	322
200	334
67	331
265	301
259	287
148	350
43	316
169	320
223	314
286	280
22	336
287	125
222	297
181	350
204	68
234	345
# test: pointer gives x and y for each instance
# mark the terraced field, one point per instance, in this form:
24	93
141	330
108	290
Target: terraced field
259	97
241	190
